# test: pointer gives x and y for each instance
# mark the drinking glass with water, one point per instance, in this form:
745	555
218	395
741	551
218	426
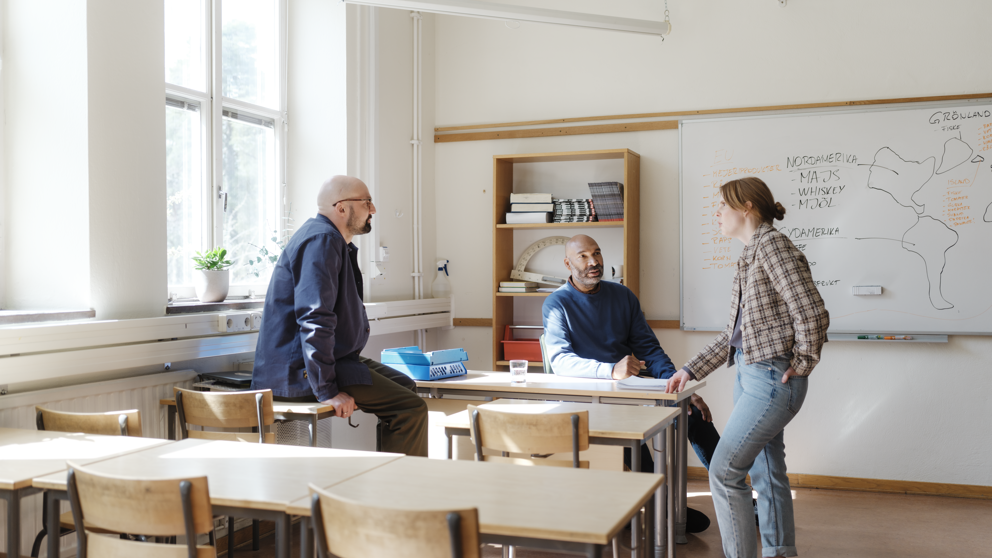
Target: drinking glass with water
518	371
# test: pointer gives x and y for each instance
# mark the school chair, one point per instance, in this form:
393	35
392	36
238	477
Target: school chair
348	529
227	409
536	435
532	434
544	357
154	508
111	423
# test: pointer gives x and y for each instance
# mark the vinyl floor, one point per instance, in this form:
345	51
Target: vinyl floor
833	524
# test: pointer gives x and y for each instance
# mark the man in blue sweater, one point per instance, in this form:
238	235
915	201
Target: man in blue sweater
594	329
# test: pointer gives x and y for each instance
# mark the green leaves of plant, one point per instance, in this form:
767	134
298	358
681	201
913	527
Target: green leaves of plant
212	260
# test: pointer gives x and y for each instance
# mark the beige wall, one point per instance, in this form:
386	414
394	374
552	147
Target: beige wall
888	412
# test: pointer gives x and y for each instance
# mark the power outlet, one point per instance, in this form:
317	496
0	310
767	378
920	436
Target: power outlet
256	321
234	321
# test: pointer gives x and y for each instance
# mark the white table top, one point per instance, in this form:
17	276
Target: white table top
625	422
551	384
25	454
574	505
244	475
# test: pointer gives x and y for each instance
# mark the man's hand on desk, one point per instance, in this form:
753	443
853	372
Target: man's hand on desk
704	409
627	367
344	404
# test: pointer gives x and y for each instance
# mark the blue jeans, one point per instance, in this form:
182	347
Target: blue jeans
753	442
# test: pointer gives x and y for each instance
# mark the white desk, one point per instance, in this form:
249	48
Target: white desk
245	480
554	508
25	454
553	387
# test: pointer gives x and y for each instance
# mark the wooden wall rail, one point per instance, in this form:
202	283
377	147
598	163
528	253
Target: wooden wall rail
669	119
799	480
488	322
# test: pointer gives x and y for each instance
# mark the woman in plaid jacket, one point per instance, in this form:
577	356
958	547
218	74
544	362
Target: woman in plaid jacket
777	326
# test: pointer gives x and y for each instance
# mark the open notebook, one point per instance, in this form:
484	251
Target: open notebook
643	383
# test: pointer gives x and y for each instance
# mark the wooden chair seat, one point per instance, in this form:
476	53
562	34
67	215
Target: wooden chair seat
534	462
348	529
228	409
67	522
110	423
155	508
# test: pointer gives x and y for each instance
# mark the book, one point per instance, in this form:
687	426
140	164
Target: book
608	200
518	284
530	207
577	210
521	218
518	289
643	383
530	198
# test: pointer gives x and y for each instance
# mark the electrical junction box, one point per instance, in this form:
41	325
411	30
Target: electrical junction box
234	321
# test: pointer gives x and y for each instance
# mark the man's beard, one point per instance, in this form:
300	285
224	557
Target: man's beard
590	269
356	227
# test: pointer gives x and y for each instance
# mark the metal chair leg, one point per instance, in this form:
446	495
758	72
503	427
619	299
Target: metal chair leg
230	537
255	535
36	547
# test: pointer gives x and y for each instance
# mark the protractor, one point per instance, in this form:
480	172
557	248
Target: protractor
520	271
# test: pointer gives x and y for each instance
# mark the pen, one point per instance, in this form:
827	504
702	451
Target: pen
890	337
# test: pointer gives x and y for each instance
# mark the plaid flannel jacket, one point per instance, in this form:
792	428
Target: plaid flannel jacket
782	311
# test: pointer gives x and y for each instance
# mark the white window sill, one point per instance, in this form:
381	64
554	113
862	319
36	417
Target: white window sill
189	307
9	317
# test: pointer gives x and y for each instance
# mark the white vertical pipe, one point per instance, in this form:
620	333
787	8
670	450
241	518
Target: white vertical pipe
417	217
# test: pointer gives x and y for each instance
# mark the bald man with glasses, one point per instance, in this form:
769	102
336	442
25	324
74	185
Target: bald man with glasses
315	326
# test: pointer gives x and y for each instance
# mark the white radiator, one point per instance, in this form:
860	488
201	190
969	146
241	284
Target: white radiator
142	393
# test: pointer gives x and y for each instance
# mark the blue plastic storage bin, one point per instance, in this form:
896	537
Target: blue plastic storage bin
432	365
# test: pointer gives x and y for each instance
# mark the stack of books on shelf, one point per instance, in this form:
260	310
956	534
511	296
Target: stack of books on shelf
608	198
517	287
529	208
575	210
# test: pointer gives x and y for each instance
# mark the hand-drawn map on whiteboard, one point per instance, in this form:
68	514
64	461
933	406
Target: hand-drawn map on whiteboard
897	198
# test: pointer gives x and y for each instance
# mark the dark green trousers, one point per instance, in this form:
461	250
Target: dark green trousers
402	413
393	398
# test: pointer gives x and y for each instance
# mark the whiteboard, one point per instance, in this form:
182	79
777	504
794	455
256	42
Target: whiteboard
896	198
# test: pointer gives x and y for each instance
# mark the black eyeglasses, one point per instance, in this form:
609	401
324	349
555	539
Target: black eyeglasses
368	202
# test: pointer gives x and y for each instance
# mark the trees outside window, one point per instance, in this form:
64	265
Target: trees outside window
225	152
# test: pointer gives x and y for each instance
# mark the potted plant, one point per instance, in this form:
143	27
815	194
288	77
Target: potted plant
212	278
266	258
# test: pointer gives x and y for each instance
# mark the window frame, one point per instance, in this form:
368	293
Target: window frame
212	105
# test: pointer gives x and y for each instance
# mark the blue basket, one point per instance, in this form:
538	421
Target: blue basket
432	365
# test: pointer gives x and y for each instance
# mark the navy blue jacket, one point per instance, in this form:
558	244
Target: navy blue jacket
314	323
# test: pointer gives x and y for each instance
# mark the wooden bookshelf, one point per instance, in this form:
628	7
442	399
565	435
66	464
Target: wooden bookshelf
594	225
530	363
503	261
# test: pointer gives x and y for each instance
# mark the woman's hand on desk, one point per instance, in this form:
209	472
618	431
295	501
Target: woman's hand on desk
677	382
344	404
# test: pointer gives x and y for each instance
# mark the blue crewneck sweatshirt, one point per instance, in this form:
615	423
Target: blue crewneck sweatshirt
586	334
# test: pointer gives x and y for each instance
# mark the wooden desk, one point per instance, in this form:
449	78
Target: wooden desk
554	387
246	480
25	454
612	425
309	412
571	510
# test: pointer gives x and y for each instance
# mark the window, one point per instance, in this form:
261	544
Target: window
225	153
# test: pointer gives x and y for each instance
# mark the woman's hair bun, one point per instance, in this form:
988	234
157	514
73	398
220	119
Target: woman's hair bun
779	211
